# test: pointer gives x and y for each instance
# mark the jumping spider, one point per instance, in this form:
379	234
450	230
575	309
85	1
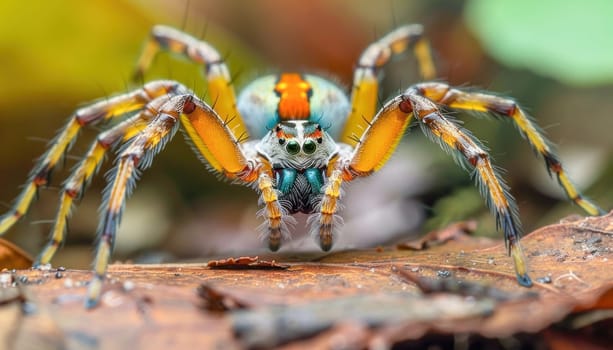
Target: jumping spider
295	138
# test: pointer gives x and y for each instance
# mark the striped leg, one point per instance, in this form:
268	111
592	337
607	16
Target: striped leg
372	151
326	223
453	138
137	155
275	228
483	102
204	128
221	91
75	185
112	108
365	81
387	128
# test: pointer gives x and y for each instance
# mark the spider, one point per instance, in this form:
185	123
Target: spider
294	138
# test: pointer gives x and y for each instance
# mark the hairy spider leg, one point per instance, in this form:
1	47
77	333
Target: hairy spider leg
387	128
75	185
372	151
220	88
364	93
452	137
204	128
507	108
105	110
211	135
136	155
325	223
276	218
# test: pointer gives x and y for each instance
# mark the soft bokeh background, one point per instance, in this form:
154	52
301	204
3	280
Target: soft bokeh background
556	60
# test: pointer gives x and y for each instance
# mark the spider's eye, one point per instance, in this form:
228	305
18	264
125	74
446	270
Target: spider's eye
309	147
281	142
292	147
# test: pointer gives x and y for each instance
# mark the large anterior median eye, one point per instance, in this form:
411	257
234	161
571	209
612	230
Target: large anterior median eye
309	146
292	147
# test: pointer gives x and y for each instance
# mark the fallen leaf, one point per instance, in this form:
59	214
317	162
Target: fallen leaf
459	230
214	300
13	257
151	306
245	262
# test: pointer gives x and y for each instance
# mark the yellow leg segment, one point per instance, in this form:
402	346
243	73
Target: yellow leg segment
209	130
115	107
365	81
221	91
325	222
124	174
213	138
273	213
380	139
19	208
453	138
137	155
39	176
483	102
76	183
69	193
373	150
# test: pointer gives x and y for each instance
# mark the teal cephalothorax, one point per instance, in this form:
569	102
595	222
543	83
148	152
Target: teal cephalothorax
274	98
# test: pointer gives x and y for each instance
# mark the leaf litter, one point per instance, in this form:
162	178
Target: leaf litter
359	299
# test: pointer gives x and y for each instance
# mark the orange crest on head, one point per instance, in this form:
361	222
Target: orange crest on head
294	93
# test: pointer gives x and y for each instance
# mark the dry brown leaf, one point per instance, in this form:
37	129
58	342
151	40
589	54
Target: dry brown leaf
13	257
213	300
245	262
152	306
459	230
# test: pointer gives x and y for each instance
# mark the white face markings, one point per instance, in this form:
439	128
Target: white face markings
297	144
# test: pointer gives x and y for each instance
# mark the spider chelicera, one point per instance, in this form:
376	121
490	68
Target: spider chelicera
295	138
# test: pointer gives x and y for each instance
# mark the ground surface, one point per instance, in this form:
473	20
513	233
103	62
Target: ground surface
353	299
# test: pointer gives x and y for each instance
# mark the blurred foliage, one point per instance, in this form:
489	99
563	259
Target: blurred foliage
57	56
56	46
574	38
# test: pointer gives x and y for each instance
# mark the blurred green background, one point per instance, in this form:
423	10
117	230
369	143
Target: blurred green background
557	61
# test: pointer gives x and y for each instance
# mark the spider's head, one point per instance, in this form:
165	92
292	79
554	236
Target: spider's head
298	144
